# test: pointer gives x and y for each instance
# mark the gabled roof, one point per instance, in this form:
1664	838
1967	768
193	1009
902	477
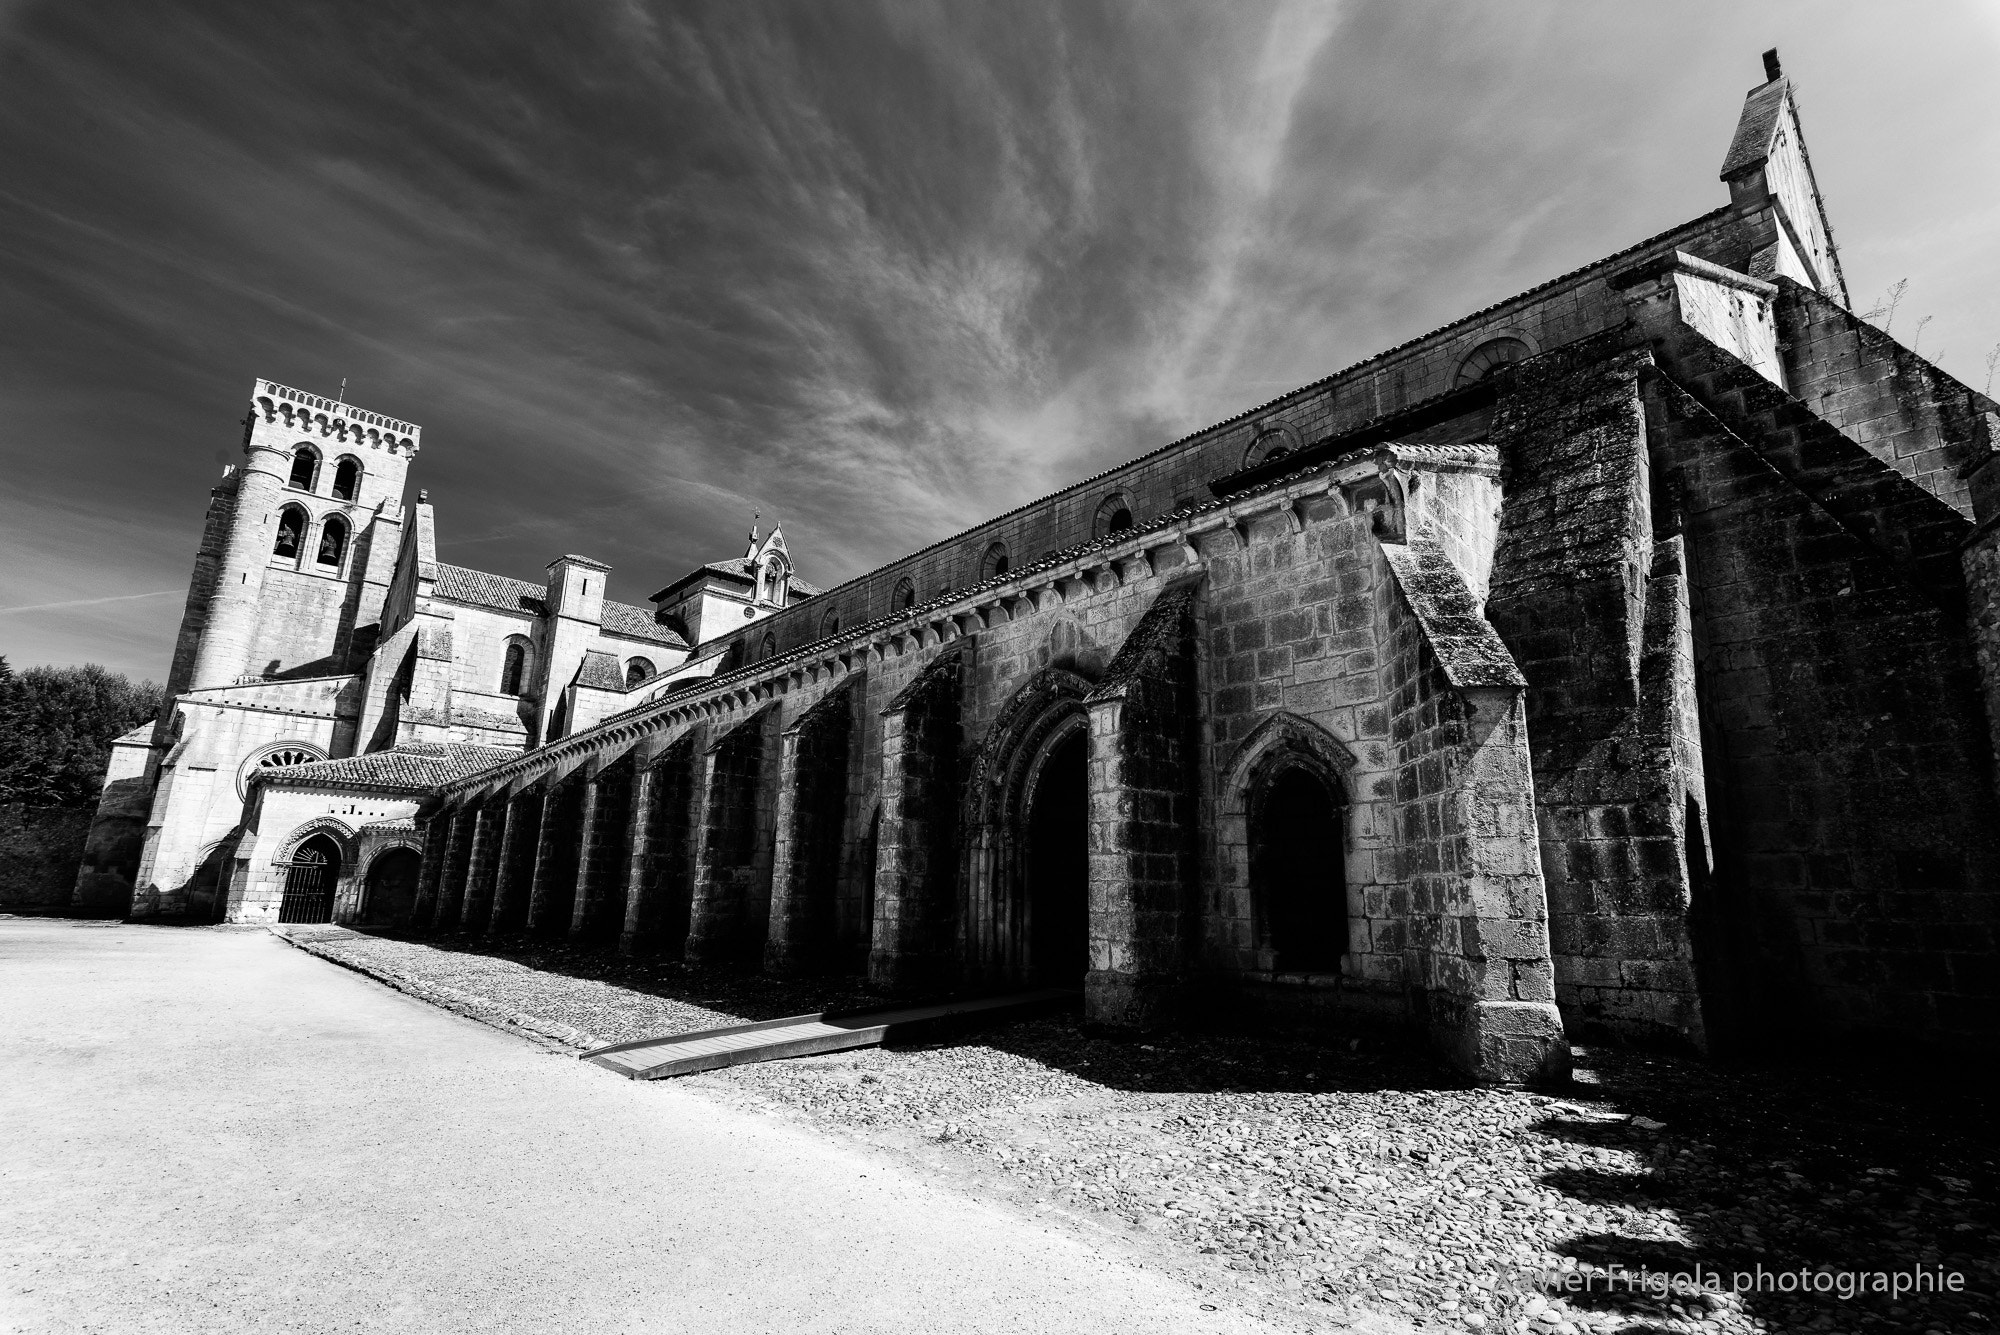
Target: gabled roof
742	570
480	589
600	670
409	768
637	623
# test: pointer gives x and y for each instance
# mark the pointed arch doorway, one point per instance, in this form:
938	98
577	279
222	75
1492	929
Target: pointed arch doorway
1056	842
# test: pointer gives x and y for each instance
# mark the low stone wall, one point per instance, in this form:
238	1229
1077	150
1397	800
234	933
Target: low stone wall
40	848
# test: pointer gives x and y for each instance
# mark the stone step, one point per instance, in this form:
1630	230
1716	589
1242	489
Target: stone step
805	1035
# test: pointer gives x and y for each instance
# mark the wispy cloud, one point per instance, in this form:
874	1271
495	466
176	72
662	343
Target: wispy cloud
92	602
876	270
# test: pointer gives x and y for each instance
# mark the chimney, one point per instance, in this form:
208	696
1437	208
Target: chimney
1771	70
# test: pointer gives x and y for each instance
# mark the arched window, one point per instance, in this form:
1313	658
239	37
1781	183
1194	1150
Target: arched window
829	624
637	671
905	595
1271	443
1487	358
291	533
1114	516
347	479
994	563
332	541
305	467
514	667
768	646
1298	868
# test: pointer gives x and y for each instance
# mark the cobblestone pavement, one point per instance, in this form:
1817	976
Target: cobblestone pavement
1363	1179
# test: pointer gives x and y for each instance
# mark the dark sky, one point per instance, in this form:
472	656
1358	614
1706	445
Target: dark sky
876	271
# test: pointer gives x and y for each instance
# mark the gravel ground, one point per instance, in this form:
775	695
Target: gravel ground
1358	1180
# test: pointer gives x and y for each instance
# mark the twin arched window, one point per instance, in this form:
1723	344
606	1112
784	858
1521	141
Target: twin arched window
637	671
514	667
291	532
346	474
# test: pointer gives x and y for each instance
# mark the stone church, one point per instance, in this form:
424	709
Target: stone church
1619	660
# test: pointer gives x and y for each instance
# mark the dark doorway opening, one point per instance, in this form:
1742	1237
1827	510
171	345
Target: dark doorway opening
1299	871
1058	866
392	889
871	851
310	881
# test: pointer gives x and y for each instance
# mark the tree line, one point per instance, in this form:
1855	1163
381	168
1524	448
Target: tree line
56	729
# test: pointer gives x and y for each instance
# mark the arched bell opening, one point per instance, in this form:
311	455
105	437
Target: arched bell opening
310	880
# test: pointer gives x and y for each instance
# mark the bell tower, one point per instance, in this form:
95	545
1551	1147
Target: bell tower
300	545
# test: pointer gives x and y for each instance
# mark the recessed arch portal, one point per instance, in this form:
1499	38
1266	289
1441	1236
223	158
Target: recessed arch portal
1027	880
1298	871
1283	820
310	879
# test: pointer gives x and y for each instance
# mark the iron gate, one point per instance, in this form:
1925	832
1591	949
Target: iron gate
308	888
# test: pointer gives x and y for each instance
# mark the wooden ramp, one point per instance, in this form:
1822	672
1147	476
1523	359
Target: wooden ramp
804	1035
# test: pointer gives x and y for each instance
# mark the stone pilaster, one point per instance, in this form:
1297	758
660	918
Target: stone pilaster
811	814
732	886
1143	815
515	871
916	881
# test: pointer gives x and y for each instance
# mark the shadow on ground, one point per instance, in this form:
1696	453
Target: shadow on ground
1791	1184
1802	1172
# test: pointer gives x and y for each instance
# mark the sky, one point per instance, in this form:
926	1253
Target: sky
873	271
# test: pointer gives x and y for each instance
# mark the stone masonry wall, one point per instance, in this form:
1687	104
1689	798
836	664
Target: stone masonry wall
1572	596
1852	814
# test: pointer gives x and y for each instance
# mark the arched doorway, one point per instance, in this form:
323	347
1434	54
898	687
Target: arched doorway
310	882
1057	866
1298	870
392	888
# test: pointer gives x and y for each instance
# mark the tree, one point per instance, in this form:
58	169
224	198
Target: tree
56	729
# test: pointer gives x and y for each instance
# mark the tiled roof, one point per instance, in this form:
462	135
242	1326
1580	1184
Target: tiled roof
517	595
483	590
741	568
411	767
637	623
601	671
